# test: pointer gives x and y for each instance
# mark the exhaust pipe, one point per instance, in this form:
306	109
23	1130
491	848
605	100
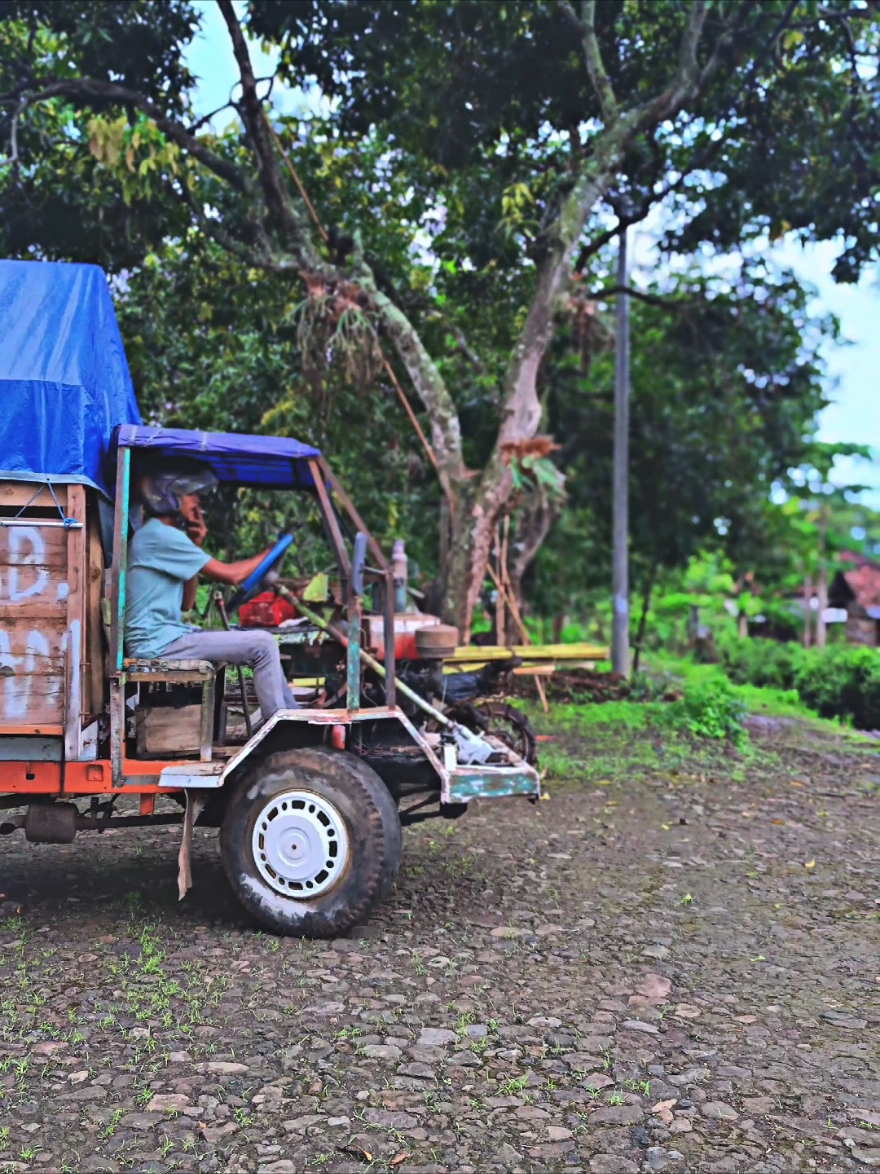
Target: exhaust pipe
50	823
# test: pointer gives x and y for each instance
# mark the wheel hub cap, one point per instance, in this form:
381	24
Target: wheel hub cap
300	844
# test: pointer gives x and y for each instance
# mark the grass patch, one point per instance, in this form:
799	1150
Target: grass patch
765	700
613	715
599	744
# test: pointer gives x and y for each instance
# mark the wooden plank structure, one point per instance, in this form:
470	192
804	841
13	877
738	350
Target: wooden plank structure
467	655
51	671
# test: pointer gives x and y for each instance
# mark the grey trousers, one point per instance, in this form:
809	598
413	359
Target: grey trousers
256	649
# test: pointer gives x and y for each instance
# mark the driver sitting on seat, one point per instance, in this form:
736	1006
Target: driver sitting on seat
164	563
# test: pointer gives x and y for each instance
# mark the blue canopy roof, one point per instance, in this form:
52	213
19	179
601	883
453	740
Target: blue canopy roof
64	381
272	462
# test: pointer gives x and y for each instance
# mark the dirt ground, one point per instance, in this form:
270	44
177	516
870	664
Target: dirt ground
671	963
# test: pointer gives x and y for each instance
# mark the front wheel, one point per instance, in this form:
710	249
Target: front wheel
311	842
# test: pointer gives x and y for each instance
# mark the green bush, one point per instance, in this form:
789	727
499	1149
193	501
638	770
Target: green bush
765	663
711	710
841	681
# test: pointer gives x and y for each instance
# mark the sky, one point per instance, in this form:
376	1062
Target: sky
853	367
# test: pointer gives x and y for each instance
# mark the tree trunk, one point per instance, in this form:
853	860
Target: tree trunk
534	521
808	599
475	514
643	618
479	507
742	625
443	550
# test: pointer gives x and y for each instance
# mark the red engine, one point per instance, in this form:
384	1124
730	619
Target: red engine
267	610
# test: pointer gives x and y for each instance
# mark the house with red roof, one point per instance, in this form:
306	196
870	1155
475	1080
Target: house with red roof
858	591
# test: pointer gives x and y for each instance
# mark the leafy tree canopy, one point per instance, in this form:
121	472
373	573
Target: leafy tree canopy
784	135
471	158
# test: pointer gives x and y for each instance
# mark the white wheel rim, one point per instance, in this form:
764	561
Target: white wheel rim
300	844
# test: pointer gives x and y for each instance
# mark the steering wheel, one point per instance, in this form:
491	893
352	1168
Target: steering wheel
252	583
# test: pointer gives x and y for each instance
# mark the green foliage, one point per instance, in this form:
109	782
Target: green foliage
452	179
438	77
236	366
138	155
726	380
57	199
710	709
765	663
841	682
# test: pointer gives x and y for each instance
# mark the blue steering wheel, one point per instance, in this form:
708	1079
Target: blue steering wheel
252	583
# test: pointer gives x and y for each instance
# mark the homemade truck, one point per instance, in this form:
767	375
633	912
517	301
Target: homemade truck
308	806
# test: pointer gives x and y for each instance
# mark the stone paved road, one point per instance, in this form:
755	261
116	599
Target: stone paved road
674	967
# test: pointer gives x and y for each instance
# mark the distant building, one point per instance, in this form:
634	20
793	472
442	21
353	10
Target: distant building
858	591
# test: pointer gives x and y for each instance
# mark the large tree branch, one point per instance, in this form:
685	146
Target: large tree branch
585	27
89	91
260	257
293	224
422	370
521	407
704	157
687	75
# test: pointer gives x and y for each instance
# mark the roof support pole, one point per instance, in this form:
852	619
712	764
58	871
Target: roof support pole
620	509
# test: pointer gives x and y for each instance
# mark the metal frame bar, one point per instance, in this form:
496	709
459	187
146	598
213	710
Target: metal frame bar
351	601
120	554
349	508
118	584
332	524
41	523
389	638
206	726
387	579
473	780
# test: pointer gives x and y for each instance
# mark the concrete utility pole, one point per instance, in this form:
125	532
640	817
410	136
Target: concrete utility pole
822	579
620	509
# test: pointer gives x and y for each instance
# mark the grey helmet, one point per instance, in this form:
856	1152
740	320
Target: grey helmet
161	487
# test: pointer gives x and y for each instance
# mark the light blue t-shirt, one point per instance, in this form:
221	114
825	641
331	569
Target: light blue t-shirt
161	559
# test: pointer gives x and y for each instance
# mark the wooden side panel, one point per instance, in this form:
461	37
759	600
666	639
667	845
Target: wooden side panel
19	493
32	551
34	604
32	667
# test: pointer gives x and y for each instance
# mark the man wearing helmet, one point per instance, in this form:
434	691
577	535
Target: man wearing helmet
165	560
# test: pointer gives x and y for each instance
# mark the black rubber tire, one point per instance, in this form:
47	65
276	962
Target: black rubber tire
375	841
501	719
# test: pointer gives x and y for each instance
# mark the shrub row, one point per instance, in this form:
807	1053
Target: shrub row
836	682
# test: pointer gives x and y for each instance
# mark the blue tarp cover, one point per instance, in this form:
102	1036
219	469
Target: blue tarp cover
273	462
64	381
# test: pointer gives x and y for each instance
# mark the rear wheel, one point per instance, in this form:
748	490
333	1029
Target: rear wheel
311	842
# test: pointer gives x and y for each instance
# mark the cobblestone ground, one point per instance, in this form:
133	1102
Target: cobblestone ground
674	966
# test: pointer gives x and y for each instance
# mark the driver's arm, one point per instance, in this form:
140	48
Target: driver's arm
233	573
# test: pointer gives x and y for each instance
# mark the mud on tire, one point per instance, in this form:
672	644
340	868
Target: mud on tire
345	790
